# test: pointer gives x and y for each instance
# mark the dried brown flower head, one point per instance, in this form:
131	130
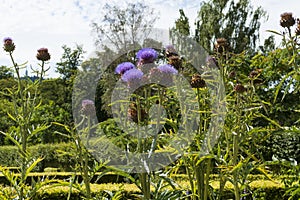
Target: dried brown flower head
197	81
232	74
133	113
239	88
221	45
43	54
287	20
175	61
253	74
9	46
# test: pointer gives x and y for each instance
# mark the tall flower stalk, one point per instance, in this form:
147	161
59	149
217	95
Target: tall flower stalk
147	82
25	105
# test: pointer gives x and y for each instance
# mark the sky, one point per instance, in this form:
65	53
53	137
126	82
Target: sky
33	24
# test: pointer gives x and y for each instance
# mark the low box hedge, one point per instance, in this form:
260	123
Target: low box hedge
99	177
260	190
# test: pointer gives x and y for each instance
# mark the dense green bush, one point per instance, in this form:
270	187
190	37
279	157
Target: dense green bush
54	155
282	145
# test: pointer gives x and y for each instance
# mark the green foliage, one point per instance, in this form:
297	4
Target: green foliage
182	24
54	155
70	61
282	145
236	21
6	73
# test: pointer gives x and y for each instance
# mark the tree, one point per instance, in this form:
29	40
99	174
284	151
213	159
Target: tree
236	21
182	24
69	62
124	27
68	66
6	72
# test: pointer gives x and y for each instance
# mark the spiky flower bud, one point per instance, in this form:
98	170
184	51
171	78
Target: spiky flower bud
212	62
232	74
8	46
253	74
221	45
287	20
239	88
87	107
170	51
43	54
197	81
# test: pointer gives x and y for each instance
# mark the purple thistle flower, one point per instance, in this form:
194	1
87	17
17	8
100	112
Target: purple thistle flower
123	67
167	69
7	39
132	74
87	107
146	55
86	102
9	46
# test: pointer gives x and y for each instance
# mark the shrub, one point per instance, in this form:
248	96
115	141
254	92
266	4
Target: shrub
54	156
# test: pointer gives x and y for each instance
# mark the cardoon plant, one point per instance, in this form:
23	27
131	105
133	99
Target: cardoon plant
25	103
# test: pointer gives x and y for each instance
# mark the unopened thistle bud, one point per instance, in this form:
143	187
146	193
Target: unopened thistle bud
221	45
87	107
197	81
253	74
8	46
287	20
43	54
239	88
232	74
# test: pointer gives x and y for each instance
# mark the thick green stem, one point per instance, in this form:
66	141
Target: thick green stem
144	177
86	176
236	151
42	72
145	183
206	179
200	180
235	162
191	181
23	127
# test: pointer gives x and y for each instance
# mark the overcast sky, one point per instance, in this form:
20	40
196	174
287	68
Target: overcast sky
33	24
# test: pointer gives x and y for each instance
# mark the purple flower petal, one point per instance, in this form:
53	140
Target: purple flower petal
146	54
168	69
132	75
123	67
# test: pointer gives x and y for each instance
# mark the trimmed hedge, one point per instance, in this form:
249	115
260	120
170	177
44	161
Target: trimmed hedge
98	178
259	190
